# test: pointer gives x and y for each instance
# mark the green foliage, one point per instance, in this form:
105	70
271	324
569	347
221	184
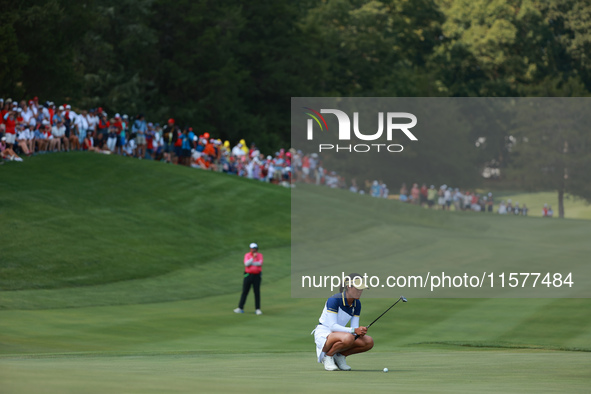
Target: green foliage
231	67
552	153
375	48
11	58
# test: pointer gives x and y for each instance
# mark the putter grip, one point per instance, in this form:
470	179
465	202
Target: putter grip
356	336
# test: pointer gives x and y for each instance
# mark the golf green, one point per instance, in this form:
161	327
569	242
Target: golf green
433	370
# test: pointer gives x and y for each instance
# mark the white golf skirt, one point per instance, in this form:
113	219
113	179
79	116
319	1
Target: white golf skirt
320	334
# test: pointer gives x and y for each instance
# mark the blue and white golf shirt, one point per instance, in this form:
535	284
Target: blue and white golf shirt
337	313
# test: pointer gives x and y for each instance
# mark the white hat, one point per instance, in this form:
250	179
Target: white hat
356	281
117	115
254	246
61	108
68	106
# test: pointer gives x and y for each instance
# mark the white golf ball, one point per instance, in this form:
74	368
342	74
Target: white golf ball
385	369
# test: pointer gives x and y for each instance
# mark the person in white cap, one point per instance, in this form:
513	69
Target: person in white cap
253	265
334	340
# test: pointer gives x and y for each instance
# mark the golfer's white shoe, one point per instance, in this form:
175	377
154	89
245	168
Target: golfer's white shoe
238	310
258	312
329	364
341	362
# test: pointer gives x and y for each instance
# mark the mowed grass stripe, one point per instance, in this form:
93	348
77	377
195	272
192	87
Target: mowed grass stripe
83	219
219	276
185	326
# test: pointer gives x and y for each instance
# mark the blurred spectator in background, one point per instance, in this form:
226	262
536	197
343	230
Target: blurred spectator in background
423	195
10	126
40	136
89	144
457	199
448	195
375	189
59	130
139	128
7	152
441	196
112	137
474	204
102	126
22	139
93	121
53	144
124	135
150	141
415	193
403	192
117	124
237	150
169	138
82	125
186	144
69	120
431	196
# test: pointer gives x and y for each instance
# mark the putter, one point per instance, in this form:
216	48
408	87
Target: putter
378	318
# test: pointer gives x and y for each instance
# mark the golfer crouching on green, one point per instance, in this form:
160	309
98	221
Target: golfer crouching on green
335	341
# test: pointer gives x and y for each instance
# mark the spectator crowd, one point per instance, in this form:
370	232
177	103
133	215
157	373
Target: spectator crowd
29	127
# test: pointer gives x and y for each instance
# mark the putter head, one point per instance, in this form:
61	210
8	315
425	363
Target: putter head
403	299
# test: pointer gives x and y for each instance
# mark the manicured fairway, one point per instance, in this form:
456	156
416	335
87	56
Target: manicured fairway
125	283
434	370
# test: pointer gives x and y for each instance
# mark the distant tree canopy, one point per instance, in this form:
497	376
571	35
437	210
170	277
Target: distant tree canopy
230	67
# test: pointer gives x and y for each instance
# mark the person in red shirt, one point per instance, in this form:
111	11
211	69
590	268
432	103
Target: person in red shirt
10	124
118	124
253	265
4	109
424	195
51	111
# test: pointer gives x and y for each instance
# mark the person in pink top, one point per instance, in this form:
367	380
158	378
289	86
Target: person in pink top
253	266
415	193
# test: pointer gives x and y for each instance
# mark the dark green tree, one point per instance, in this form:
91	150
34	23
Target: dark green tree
553	146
